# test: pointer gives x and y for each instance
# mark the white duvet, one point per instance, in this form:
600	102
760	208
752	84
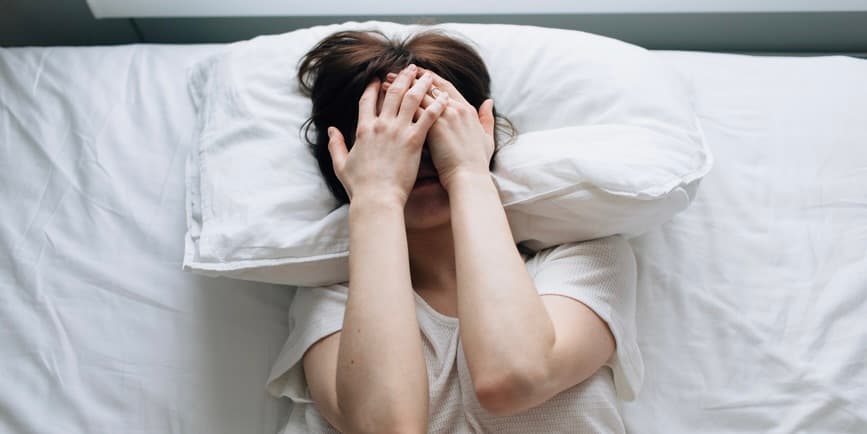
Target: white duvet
752	313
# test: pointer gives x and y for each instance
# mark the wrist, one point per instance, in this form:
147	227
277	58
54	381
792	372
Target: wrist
376	202
467	177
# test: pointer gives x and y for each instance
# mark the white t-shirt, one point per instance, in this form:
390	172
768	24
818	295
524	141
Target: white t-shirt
599	273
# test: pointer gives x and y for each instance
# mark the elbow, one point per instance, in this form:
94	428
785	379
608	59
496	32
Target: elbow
510	393
384	421
395	428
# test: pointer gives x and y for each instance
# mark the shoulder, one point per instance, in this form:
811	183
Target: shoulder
318	304
608	253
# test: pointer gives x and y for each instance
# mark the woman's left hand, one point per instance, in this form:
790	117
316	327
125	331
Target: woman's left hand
461	139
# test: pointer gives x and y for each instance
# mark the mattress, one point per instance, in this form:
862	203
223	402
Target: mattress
753	303
752	311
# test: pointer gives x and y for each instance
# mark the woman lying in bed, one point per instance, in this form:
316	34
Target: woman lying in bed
445	325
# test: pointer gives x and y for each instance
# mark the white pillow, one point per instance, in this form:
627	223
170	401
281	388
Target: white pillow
609	144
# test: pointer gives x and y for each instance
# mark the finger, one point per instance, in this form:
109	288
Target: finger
394	95
382	90
486	116
413	98
367	102
428	97
432	112
425	102
337	149
445	85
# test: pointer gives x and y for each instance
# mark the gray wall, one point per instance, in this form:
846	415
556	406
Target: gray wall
59	22
69	22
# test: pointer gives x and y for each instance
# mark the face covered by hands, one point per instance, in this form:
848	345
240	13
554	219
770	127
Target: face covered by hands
384	162
461	139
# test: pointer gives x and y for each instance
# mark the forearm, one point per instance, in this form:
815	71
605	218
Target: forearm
505	327
381	376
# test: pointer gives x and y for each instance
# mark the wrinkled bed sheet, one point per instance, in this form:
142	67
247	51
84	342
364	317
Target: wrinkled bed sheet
100	330
753	303
752	312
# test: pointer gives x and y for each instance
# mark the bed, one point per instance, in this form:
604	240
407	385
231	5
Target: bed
753	302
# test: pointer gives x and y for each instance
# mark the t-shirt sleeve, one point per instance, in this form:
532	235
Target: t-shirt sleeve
601	274
313	314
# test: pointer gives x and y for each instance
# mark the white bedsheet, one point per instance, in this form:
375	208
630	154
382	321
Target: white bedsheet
752	303
100	330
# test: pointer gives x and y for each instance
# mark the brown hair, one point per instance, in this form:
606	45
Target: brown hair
335	72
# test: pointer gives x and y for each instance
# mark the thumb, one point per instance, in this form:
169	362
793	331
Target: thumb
486	115
337	149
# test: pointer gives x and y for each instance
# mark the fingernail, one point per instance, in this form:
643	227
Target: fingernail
330	132
412	67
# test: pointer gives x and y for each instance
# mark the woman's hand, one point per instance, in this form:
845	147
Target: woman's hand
384	160
461	139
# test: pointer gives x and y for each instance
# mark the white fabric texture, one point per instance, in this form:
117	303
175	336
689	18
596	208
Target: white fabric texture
100	330
752	309
609	145
599	273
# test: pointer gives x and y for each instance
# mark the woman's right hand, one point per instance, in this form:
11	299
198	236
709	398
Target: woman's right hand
384	160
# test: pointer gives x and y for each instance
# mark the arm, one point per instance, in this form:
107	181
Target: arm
381	377
521	349
320	371
371	377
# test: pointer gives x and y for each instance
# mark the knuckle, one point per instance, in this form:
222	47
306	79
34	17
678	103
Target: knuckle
379	126
437	108
396	88
419	135
413	95
363	129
